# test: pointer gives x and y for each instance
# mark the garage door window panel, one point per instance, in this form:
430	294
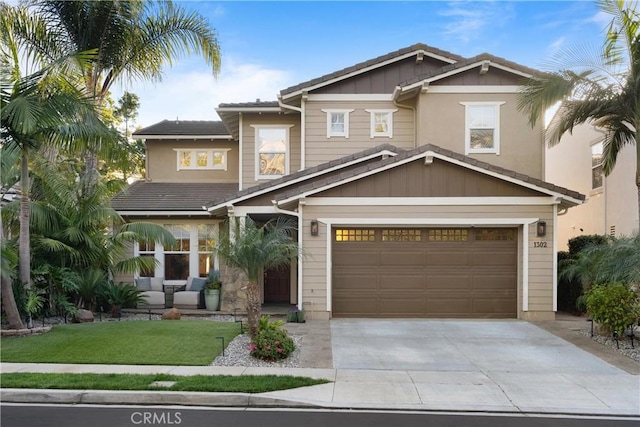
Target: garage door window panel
401	235
448	235
355	235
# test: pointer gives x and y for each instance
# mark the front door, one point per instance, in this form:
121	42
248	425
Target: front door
277	285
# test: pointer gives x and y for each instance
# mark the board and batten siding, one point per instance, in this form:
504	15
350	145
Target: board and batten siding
540	271
248	143
321	149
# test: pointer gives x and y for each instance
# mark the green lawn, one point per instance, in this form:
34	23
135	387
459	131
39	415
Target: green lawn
207	383
145	342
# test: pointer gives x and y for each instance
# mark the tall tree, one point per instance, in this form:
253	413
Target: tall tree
602	90
41	107
253	249
127	109
135	39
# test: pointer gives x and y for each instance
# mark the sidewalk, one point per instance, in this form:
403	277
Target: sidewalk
615	391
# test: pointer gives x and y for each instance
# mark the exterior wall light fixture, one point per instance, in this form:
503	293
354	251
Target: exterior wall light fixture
541	229
314	227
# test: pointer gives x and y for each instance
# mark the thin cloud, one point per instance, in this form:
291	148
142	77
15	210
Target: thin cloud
468	19
556	45
194	95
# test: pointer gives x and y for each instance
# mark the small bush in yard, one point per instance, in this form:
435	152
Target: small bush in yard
272	342
613	306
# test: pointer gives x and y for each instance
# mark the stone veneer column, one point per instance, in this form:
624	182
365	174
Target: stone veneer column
233	296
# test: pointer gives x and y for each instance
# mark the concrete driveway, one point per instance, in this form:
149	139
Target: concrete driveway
457	345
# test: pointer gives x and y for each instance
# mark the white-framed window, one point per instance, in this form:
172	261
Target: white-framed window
202	158
272	151
190	256
337	123
381	122
596	166
482	127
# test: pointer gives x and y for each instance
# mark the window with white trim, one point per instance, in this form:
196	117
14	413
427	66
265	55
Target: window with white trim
206	244
482	127
381	122
202	158
176	257
337	123
596	166
272	151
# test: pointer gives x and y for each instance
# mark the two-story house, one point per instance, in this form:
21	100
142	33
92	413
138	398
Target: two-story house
415	182
611	206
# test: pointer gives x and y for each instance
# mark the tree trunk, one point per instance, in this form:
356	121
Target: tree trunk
24	244
254	309
638	166
8	299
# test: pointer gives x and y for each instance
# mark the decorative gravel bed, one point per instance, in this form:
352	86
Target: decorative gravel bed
237	354
624	344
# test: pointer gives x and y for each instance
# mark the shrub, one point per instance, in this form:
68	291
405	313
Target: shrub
613	306
569	290
272	341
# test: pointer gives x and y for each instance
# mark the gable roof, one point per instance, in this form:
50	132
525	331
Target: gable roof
149	197
265	187
184	128
444	56
429	150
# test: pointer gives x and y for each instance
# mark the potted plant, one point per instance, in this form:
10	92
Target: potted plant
212	291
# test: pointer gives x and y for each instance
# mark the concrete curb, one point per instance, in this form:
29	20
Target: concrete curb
128	397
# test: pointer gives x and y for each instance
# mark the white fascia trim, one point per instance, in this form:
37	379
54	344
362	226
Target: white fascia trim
240	153
192	137
367	69
430	201
525	222
303	178
441	157
474	89
351	97
246	210
249	110
163	213
373	221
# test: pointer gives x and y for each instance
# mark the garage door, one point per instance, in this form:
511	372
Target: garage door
424	272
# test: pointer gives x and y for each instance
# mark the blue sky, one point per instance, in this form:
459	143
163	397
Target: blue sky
268	46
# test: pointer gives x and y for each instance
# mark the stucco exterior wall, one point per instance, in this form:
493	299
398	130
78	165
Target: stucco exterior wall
162	161
441	121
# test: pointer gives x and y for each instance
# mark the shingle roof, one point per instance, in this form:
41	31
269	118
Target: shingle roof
305	172
469	61
256	104
168	196
421	150
372	62
185	127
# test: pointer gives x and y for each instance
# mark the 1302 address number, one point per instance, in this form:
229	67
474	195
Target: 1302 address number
539	244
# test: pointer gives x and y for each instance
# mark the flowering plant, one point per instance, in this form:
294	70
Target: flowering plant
272	342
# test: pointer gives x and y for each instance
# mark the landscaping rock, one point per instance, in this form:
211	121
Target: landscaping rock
171	314
83	316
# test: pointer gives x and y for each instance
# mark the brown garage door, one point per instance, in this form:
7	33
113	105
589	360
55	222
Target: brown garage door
424	272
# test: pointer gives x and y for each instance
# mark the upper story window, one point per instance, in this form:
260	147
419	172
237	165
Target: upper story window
337	123
482	127
381	123
596	165
272	151
202	158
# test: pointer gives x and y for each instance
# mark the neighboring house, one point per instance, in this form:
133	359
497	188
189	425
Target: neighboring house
416	185
611	207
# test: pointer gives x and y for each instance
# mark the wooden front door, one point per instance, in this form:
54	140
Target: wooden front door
277	285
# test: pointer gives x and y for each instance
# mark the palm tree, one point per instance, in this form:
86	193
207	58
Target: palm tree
135	39
601	90
252	249
43	107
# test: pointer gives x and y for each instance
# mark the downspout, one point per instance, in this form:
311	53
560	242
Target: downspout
240	156
394	97
300	228
303	132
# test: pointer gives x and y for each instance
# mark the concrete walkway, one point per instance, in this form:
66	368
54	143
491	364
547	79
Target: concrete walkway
595	389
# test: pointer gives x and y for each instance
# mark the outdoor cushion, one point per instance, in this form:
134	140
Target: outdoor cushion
156	284
197	284
143	283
